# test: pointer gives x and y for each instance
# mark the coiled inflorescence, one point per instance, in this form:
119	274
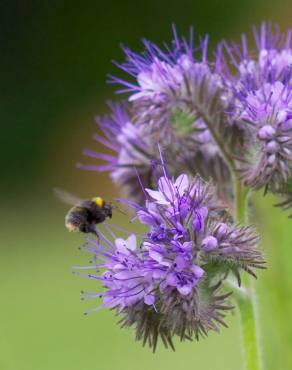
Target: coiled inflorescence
173	98
232	114
168	281
262	92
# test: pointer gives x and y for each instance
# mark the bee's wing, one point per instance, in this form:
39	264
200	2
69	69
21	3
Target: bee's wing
66	197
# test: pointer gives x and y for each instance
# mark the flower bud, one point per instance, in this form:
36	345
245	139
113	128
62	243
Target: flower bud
209	243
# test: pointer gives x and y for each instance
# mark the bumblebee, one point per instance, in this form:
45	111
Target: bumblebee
85	214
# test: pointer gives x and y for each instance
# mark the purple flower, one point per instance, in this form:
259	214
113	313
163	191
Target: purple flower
262	90
178	96
209	243
126	273
157	80
269	111
157	71
171	269
169	192
268	63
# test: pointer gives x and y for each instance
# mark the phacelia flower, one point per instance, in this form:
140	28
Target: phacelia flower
268	63
269	111
168	281
261	86
179	97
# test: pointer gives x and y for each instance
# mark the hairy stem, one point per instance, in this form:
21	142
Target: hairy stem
247	303
241	201
249	330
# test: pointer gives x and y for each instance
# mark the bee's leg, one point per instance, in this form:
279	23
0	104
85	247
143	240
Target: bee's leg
97	237
94	231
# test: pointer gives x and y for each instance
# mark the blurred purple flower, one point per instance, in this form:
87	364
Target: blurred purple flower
176	94
133	152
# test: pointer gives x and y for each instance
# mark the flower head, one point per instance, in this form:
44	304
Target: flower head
172	277
157	71
262	90
167	81
269	112
269	62
177	96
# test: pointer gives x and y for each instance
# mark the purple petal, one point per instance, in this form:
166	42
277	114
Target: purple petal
157	256
181	262
149	299
198	271
166	188
209	243
158	196
131	242
185	289
182	183
171	279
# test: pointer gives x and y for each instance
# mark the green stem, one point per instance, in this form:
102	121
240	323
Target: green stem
247	303
247	308
241	199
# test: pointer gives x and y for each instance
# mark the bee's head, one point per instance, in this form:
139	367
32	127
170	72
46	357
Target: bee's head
108	209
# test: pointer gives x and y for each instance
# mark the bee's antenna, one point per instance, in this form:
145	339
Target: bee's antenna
118	209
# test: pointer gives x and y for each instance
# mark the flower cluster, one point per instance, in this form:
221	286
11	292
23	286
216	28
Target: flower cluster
262	90
269	109
215	117
172	101
168	281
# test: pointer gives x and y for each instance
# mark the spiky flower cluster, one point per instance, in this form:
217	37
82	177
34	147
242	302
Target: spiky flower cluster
262	88
232	114
172	101
269	109
168	283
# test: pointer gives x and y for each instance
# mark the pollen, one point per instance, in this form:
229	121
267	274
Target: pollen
98	201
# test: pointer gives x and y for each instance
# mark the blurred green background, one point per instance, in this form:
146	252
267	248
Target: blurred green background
54	59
